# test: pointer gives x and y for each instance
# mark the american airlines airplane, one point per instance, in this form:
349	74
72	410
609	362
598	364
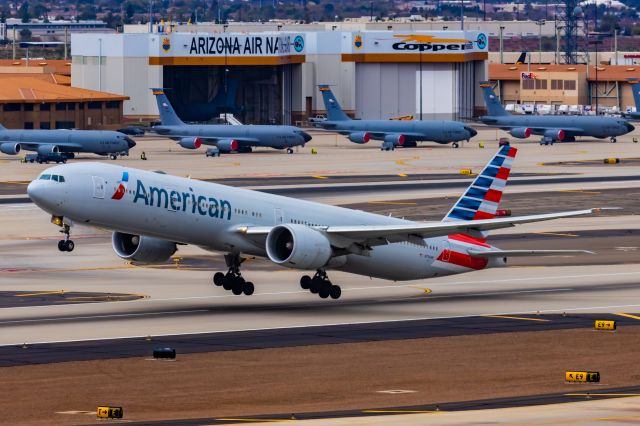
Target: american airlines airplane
151	213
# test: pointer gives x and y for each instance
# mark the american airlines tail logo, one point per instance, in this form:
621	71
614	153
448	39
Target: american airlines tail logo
122	187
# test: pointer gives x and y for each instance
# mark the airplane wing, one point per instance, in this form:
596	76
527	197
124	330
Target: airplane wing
63	147
374	235
518	253
211	140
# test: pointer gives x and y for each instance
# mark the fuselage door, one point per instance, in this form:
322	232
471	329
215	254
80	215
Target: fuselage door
278	216
98	187
446	250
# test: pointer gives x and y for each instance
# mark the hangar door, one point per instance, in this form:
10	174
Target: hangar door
388	90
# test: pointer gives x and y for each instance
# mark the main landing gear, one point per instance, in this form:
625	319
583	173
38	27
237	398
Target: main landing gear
233	280
320	285
613	139
66	244
455	145
289	150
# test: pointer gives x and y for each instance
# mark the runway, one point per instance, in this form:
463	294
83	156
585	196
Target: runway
45	353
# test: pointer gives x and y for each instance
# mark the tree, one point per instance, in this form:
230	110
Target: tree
25	34
23	12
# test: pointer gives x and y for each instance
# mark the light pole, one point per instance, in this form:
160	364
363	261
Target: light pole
558	29
420	68
462	15
501	44
540	23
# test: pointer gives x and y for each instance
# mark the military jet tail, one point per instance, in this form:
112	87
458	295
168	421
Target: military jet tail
168	116
494	107
334	111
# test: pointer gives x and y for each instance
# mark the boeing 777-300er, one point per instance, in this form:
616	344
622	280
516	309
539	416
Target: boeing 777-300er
225	137
64	143
152	213
635	89
552	128
393	133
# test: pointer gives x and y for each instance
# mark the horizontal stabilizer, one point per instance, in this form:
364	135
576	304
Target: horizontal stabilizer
522	253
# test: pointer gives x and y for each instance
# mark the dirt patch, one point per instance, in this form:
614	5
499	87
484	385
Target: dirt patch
318	378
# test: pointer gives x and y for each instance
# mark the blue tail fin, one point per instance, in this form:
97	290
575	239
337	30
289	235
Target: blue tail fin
334	111
494	107
168	116
635	88
481	199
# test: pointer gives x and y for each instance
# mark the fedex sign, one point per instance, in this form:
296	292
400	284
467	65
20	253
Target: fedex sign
527	76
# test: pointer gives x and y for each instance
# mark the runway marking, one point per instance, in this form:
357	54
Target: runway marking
582	191
557	233
17	182
602	394
403	411
43	293
402	161
517	318
403	174
319	177
240	419
628	316
399	203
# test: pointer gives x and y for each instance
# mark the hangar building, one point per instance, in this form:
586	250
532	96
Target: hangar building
272	77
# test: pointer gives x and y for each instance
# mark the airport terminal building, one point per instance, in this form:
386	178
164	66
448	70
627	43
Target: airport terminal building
272	76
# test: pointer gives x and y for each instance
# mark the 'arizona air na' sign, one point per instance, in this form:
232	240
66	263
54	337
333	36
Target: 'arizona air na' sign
245	44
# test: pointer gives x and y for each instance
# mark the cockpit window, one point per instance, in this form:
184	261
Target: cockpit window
56	178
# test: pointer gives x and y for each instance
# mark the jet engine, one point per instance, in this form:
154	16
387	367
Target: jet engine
228	145
11	148
190	143
396	140
554	134
520	132
360	137
142	249
48	149
298	246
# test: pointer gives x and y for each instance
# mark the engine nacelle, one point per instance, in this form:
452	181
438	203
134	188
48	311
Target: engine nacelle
142	249
298	246
11	148
520	132
360	137
396	140
48	149
555	134
228	145
191	143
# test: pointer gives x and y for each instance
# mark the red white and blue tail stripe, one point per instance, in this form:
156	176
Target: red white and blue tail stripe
482	198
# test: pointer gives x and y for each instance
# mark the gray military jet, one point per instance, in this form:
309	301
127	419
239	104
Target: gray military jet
554	128
393	133
63	144
224	137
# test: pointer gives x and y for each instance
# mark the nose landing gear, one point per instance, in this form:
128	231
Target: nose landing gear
320	285
66	244
233	280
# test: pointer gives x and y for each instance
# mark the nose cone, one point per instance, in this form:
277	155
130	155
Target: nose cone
629	127
306	136
130	142
37	192
472	131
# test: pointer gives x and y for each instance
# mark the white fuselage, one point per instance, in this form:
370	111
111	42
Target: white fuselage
209	215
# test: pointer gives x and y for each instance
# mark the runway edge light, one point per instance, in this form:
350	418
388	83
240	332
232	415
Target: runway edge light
582	376
607	325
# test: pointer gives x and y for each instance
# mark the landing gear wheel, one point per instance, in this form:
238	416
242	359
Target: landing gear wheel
305	282
70	245
248	288
62	245
218	279
316	283
455	145
289	151
113	156
324	290
613	140
227	284
335	292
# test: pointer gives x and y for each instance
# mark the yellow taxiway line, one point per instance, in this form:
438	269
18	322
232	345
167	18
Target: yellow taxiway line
557	233
517	318
319	177
240	419
43	293
403	411
628	315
